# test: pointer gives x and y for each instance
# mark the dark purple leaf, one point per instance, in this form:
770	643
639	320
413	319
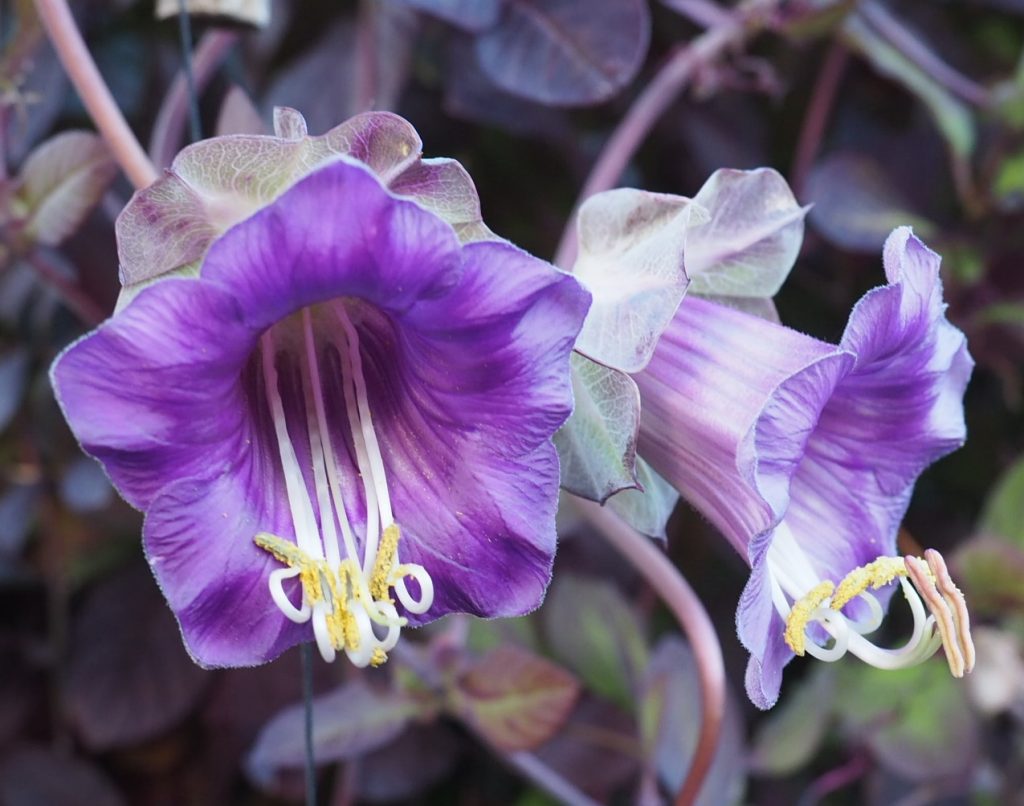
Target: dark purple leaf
670	705
597	749
18	505
856	204
421	757
564	52
84	487
33	776
13	378
238	114
129	677
469	15
349	722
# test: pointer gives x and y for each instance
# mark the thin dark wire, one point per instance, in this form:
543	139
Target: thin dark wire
185	36
307	700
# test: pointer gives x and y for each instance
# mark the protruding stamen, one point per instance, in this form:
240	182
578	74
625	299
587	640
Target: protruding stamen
874	575
802	612
947	626
957	605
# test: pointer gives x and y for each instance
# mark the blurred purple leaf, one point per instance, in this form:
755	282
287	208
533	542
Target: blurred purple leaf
14	366
597	749
631	260
566	53
33	776
469	15
84	486
669	705
59	184
952	116
591	628
349	722
515	699
18	506
597	444
856	205
40	97
752	236
238	114
792	733
129	678
471	95
418	759
319	80
917	722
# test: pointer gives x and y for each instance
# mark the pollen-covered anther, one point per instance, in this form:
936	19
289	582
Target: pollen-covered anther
948	607
874	575
802	612
387	551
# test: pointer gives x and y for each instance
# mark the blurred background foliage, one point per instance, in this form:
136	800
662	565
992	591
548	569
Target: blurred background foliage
878	114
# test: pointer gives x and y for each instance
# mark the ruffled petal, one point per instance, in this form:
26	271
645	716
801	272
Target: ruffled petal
153	393
198	540
337	233
467	390
728	402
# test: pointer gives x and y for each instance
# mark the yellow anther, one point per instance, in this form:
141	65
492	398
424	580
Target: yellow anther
874	575
380	578
800	614
378	657
310	570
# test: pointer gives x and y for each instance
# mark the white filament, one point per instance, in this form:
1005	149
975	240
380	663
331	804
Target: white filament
321	541
792	576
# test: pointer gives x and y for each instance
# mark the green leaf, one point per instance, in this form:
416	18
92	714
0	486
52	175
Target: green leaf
648	509
592	629
752	236
631	261
992	574
795	729
917	721
597	444
515	699
350	721
1003	513
60	183
1003	313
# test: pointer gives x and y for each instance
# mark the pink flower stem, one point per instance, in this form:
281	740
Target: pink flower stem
677	594
209	54
81	69
816	119
655	99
